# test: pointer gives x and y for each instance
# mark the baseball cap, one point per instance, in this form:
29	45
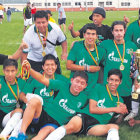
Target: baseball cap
98	10
48	12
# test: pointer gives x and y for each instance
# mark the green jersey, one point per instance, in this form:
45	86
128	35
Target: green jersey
65	104
113	62
7	99
101	96
133	33
33	86
80	56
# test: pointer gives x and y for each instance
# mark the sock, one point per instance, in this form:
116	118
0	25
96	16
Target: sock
11	124
6	119
135	107
16	129
57	134
113	134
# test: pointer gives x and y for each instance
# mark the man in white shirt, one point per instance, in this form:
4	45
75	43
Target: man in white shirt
42	38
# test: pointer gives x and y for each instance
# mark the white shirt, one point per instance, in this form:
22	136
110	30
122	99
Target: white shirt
61	10
35	48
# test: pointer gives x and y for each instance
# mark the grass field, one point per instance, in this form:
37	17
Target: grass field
11	35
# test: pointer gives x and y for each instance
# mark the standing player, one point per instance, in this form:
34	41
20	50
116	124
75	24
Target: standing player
61	16
27	16
33	11
42	38
87	56
133	32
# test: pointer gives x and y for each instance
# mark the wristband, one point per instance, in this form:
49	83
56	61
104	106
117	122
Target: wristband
88	68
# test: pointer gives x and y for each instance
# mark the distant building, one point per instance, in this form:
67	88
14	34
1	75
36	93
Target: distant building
75	5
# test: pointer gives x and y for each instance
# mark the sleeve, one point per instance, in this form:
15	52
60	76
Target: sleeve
56	84
61	37
24	10
82	31
104	57
26	39
30	85
129	33
94	93
109	31
2	58
73	53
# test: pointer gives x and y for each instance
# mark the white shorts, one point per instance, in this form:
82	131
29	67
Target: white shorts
27	22
29	96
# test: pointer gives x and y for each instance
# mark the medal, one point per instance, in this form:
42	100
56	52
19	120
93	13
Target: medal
111	95
96	62
43	53
43	41
18	104
14	94
121	67
121	57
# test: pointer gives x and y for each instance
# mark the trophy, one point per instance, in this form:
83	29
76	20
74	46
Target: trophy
136	94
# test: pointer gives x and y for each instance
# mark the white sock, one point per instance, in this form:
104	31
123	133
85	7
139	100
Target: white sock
113	134
57	134
6	119
11	124
135	107
16	129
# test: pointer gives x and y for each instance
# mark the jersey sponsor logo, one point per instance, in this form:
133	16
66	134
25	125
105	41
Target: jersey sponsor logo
129	51
115	59
82	62
62	104
101	105
6	100
138	40
44	93
79	104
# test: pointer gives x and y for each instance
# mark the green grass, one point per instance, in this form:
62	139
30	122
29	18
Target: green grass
11	35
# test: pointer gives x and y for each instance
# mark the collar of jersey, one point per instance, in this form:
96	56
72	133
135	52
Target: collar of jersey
49	28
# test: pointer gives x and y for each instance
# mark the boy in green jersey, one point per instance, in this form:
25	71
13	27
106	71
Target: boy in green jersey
43	93
69	99
93	120
87	56
10	112
133	32
119	54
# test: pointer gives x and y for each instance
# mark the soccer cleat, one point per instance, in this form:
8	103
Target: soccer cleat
21	136
130	116
12	138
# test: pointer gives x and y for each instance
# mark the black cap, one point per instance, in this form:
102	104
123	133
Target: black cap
48	12
100	11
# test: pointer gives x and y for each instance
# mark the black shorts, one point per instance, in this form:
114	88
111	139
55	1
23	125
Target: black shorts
44	120
2	115
1	16
87	123
127	101
2	58
62	21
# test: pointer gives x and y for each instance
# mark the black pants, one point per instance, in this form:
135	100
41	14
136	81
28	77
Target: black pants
37	66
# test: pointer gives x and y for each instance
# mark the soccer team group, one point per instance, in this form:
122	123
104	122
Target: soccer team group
103	69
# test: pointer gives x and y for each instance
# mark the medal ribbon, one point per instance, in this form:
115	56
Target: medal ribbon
121	57
16	96
96	62
111	95
44	37
25	74
51	93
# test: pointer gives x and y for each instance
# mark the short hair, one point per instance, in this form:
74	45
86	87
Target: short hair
82	74
118	23
41	14
49	57
115	72
90	27
10	62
